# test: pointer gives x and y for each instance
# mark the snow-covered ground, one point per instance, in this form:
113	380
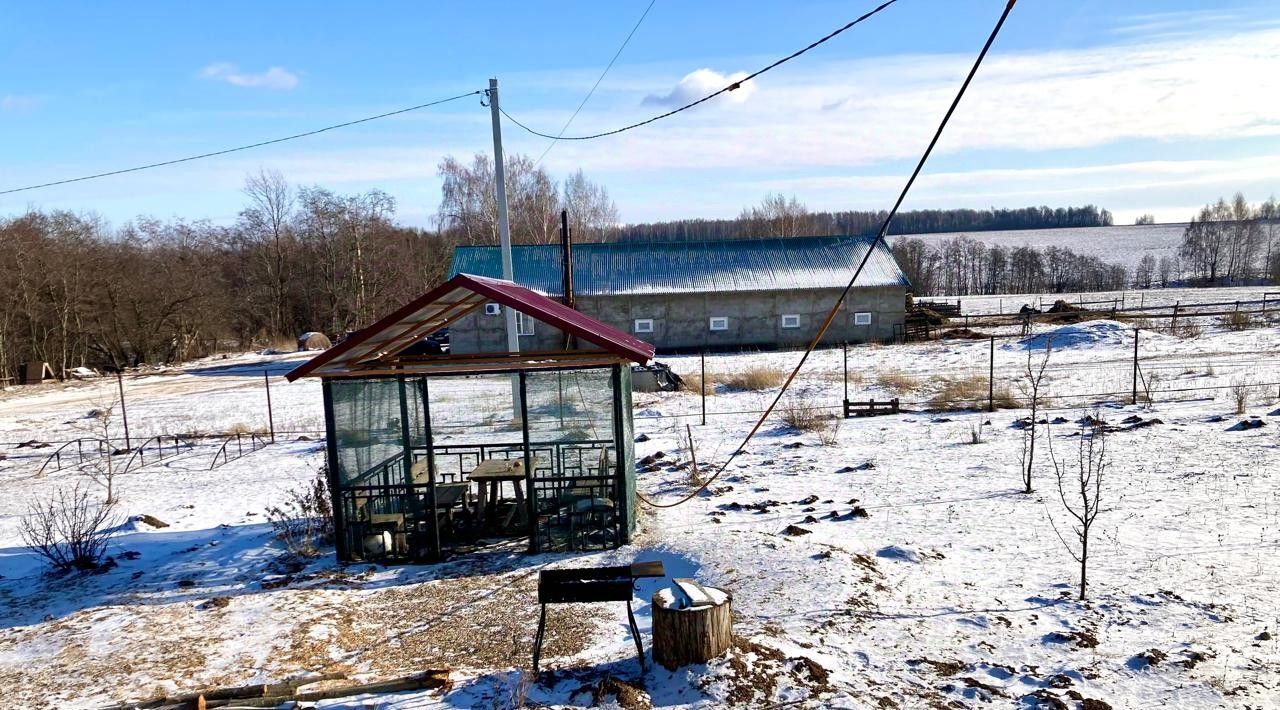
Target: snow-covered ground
953	590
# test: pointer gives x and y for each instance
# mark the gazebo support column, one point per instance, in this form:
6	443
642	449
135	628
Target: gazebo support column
331	456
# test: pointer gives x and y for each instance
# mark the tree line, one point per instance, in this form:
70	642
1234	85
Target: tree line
780	216
963	266
79	292
1233	242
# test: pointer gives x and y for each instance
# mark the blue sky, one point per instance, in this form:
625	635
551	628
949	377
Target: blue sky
1138	106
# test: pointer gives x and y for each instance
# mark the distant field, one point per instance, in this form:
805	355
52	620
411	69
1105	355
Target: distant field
1118	245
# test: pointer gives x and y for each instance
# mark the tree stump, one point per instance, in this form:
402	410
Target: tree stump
685	633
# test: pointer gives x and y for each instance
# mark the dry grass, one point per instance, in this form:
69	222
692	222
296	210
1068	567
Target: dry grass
1240	390
1186	329
693	383
897	381
957	393
753	378
1239	321
975	432
283	344
801	414
829	433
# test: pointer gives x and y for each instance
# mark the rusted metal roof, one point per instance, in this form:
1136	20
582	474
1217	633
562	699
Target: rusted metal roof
373	349
648	267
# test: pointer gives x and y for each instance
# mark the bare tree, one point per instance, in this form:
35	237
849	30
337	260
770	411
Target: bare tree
1168	269
1030	384
1080	487
1145	219
265	225
102	470
1145	273
593	216
777	216
469	207
1268	215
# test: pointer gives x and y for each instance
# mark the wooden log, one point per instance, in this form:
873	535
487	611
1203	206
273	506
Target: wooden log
426	680
685	634
201	699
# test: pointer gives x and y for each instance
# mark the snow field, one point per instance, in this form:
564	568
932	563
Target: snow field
953	588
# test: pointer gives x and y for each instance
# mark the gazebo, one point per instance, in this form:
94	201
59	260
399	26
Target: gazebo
432	455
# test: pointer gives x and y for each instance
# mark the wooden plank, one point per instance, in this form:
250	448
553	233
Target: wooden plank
651	568
693	594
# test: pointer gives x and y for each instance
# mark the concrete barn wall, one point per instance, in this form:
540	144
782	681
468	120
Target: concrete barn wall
682	321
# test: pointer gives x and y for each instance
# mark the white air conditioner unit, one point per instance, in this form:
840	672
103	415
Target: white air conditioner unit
492	309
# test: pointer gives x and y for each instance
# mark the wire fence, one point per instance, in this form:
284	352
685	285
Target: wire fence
1135	378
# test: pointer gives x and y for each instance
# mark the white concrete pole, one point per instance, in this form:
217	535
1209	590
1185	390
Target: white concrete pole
504	226
504	241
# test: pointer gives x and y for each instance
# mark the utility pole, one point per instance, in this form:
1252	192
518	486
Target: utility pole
504	234
504	226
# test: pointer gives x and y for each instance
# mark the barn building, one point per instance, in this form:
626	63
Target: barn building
695	295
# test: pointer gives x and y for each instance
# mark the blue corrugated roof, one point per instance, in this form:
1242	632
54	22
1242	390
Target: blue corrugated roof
638	267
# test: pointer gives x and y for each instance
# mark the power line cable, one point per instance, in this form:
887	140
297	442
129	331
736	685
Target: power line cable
240	148
877	242
731	87
596	85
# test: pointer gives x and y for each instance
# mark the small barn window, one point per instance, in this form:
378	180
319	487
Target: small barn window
791	320
863	318
492	309
644	325
719	323
524	324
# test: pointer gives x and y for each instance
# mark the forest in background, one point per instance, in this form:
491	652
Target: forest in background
78	291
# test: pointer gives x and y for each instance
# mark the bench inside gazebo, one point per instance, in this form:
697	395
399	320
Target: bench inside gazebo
430	456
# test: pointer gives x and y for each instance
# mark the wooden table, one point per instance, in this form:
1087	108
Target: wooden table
493	472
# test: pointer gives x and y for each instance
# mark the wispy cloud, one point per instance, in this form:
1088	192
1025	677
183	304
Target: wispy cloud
850	114
273	78
11	103
699	83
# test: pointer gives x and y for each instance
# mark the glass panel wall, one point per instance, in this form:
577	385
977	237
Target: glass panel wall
571	434
370	466
424	467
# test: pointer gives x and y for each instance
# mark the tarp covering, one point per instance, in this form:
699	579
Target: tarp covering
732	265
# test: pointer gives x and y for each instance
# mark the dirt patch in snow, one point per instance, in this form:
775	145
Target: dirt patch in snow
753	673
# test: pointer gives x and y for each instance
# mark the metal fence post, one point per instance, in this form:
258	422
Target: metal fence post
271	419
1135	365
991	378
124	414
703	380
845	367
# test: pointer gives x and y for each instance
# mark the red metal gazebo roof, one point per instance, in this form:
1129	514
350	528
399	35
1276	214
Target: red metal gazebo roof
365	350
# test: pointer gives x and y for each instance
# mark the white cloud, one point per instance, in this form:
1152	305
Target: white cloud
850	114
699	83
15	103
272	78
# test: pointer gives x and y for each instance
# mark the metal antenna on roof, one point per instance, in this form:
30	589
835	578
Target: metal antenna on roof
504	232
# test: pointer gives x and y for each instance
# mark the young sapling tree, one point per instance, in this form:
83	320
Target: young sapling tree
102	470
1032	386
1080	487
